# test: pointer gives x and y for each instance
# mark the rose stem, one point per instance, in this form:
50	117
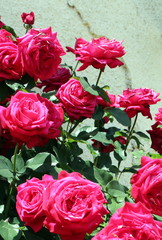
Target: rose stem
100	72
12	185
130	133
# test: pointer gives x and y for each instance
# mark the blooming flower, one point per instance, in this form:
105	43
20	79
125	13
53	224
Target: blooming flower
138	100
32	119
131	222
98	52
73	206
147	183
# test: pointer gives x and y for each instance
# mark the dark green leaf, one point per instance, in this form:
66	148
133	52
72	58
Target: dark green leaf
102	176
40	160
98	114
10	30
5	168
5	91
87	87
120	116
102	93
141	134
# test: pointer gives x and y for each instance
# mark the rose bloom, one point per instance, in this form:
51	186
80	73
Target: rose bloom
98	52
41	53
28	18
156	137
73	206
110	147
60	77
131	222
147	184
138	100
10	60
29	201
32	119
5	36
76	101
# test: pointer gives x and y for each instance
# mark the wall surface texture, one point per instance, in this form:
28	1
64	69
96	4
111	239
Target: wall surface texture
137	22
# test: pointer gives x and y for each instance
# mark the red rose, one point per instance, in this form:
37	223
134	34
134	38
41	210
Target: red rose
60	77
29	201
131	222
158	116
156	137
28	18
98	52
10	61
41	53
73	206
138	100
5	36
32	119
147	184
110	147
76	101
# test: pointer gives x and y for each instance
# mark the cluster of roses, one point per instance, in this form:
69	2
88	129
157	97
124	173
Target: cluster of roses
73	206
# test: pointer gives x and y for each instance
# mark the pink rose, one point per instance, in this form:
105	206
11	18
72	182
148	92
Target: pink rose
138	100
10	61
41	53
131	222
158	116
28	18
147	184
76	101
60	77
32	119
98	52
29	201
5	36
73	206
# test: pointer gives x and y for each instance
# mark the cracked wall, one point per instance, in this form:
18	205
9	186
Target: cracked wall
137	22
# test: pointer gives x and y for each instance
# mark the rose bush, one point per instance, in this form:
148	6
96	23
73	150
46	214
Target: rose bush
73	206
146	184
51	188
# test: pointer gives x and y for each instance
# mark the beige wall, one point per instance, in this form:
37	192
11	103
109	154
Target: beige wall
137	22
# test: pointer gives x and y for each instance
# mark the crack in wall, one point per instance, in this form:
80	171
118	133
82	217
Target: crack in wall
128	79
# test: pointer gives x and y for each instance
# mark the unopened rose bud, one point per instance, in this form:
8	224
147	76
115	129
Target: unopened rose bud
28	18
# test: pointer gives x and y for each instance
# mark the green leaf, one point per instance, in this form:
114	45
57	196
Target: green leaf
14	85
98	113
10	30
101	137
39	160
20	165
120	116
5	168
141	134
115	189
9	231
102	176
114	205
102	93
87	87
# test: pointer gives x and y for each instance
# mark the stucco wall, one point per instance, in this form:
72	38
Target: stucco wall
137	22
